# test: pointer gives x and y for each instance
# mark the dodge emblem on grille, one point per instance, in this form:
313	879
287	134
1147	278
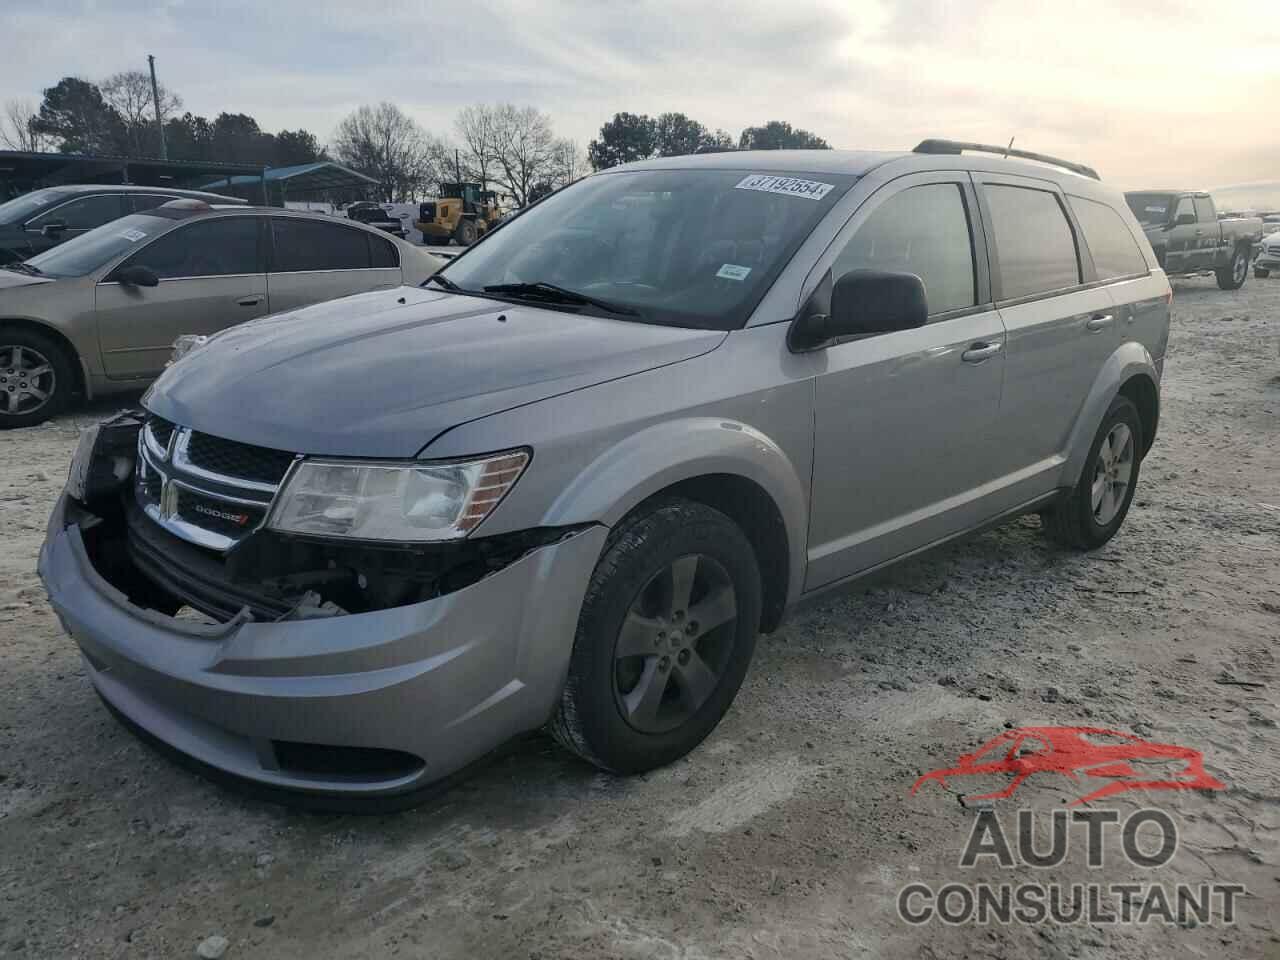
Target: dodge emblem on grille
240	519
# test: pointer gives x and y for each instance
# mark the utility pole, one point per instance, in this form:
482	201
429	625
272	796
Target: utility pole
155	102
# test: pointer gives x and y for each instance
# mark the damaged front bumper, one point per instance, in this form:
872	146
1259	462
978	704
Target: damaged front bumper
364	704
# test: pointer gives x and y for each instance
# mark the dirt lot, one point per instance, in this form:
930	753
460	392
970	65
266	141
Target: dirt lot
791	830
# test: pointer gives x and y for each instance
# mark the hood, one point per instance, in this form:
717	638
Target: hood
11	278
382	374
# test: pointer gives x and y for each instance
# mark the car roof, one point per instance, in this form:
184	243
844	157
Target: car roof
1181	193
134	188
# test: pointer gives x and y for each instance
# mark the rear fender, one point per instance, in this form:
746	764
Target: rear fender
1129	360
660	456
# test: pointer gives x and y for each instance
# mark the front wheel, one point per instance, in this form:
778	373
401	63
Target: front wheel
1231	277
466	233
666	633
1093	511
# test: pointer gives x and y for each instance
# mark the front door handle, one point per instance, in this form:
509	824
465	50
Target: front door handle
1099	322
980	351
251	301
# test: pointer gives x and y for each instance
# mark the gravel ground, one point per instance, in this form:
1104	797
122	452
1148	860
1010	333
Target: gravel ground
791	830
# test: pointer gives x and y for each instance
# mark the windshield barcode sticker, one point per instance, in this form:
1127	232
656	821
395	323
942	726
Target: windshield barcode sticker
731	271
809	189
133	236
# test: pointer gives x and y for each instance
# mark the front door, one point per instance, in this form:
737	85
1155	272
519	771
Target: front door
211	277
904	421
1180	252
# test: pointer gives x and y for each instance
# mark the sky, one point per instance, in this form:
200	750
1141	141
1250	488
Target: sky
1179	94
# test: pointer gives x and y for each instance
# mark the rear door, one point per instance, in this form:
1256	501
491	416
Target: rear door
904	422
211	276
1061	326
314	260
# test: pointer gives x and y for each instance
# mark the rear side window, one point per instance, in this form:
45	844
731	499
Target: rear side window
1204	210
383	252
312	245
922	230
1115	252
205	248
84	213
1034	242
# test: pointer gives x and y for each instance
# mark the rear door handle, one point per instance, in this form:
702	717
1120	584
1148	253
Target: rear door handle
980	351
1099	322
251	301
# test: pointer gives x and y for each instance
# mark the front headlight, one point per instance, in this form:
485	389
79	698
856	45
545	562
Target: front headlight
394	501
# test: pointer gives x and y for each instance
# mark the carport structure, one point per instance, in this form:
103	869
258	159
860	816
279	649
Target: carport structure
21	171
322	179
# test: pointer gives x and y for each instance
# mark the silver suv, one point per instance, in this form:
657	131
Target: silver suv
570	479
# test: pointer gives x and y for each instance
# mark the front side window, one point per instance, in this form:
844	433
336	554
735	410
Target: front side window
206	248
1115	252
1204	210
686	247
83	213
312	245
1034	243
922	230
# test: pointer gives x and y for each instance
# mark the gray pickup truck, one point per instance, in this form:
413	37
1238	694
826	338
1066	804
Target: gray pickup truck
1188	237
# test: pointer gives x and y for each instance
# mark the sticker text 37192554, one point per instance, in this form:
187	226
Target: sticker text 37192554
790	186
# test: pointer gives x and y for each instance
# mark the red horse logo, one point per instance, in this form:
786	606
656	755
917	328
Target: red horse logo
1071	751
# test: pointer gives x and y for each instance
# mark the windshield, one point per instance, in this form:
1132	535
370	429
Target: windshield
1151	209
23	208
694	248
86	253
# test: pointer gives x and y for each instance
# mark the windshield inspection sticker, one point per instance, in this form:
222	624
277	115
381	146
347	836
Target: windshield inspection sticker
133	236
731	271
765	183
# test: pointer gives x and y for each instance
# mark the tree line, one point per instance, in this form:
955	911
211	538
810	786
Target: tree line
512	149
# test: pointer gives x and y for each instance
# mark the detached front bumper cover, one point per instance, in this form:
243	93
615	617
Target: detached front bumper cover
443	681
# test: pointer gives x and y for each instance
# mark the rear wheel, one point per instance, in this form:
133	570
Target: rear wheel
666	633
1232	276
465	234
1094	510
36	378
1261	273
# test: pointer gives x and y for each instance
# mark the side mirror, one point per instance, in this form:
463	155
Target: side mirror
138	276
1185	219
53	229
864	302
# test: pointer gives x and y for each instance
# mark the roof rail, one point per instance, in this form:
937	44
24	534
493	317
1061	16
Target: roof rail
956	146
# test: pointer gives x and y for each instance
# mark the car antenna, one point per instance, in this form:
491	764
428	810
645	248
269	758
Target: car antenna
1008	148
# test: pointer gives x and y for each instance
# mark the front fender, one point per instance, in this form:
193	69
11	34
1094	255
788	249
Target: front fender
1130	359
664	454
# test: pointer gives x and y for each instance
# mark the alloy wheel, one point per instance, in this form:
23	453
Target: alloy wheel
675	644
1239	268
27	379
1112	474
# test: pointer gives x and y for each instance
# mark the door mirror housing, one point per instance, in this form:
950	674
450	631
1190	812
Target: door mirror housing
1185	219
864	302
137	276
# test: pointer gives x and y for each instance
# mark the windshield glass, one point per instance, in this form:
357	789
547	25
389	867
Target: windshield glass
1151	209
23	208
694	248
86	253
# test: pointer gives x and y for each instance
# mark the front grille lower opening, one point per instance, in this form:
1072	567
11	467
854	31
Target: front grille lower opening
337	762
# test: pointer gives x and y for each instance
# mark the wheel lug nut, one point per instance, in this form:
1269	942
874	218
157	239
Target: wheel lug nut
664	663
683	657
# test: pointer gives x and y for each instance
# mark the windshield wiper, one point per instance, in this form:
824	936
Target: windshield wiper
21	266
443	281
550	293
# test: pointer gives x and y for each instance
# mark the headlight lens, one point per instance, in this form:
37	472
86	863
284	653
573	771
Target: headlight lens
394	501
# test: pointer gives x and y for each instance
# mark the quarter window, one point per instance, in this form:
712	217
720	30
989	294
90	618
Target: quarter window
922	230
383	252
312	245
1034	242
84	213
1115	252
206	248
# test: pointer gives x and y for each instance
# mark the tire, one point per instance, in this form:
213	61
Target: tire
465	233
1077	522
1232	276
32	363
1261	273
693	672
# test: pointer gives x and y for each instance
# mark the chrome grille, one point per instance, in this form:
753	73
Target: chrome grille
200	496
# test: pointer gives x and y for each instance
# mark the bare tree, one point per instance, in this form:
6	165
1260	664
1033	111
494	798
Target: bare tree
525	149
388	145
476	128
16	130
129	93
